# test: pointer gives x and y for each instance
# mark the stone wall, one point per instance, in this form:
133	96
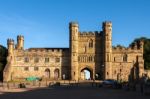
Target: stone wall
92	51
26	65
147	72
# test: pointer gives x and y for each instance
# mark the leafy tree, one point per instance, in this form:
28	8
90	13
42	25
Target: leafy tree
146	51
3	56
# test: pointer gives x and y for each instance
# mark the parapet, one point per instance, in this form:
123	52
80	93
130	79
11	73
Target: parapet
107	23
96	33
73	24
20	37
47	49
135	46
10	41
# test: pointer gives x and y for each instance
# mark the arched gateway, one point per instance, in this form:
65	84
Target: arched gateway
90	56
86	74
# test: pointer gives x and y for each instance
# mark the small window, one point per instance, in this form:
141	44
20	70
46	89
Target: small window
26	68
125	58
46	60
26	59
36	60
114	59
91	43
120	70
36	68
108	57
57	60
107	73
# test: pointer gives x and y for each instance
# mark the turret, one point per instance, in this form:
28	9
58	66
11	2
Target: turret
74	31
20	42
10	45
107	30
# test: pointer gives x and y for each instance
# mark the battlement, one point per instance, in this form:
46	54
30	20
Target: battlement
120	48
48	49
73	24
20	37
10	41
95	33
135	46
107	23
91	51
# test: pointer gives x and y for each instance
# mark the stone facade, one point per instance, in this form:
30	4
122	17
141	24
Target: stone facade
91	51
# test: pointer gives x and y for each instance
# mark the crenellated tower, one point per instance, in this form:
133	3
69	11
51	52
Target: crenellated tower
107	30
73	29
7	72
20	42
10	45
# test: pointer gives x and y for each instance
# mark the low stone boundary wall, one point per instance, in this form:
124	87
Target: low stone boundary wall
31	84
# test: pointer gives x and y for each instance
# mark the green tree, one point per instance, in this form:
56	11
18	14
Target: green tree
146	51
3	56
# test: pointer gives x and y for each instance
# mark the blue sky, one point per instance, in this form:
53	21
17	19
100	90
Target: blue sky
44	23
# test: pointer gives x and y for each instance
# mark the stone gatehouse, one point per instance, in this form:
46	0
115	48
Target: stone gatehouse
88	51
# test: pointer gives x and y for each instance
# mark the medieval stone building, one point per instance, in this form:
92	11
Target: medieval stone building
88	51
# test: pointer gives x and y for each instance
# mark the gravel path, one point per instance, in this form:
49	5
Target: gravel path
71	93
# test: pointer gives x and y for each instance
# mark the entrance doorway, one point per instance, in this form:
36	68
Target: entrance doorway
47	73
56	74
86	74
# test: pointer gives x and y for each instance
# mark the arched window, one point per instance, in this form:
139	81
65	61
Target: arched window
90	43
57	60
125	58
56	73
46	60
114	59
107	73
26	59
47	73
108	57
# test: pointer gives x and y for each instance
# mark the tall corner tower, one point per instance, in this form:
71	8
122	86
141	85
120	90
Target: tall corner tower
74	30
20	42
8	68
107	30
10	45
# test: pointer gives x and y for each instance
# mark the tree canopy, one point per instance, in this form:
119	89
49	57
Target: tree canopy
146	55
3	56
